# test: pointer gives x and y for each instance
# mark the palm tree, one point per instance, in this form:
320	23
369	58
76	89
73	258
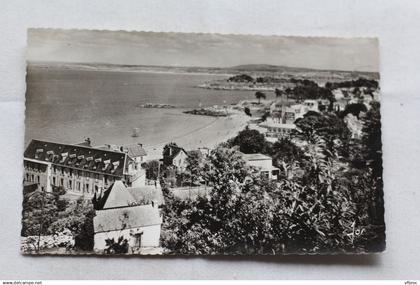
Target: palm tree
259	95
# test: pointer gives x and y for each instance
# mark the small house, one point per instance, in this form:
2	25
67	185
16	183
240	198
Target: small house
263	164
132	214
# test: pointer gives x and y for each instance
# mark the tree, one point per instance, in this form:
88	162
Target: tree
354	109
39	211
284	150
152	169
372	144
192	170
250	141
260	95
327	127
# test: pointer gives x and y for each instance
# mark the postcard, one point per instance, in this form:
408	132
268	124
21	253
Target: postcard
140	143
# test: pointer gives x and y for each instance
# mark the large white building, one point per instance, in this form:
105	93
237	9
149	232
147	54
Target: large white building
79	169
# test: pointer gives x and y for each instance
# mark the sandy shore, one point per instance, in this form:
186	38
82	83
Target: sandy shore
210	135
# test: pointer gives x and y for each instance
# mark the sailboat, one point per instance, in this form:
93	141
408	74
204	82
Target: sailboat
136	132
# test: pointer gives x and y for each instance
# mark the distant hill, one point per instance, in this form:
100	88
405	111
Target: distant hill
255	69
269	68
279	68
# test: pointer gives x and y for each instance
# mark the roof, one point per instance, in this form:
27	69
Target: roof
118	196
274	124
175	151
255	156
78	157
147	194
135	150
126	218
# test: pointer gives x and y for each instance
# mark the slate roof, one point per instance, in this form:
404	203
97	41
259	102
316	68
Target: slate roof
147	194
118	196
255	156
126	218
175	150
77	157
135	150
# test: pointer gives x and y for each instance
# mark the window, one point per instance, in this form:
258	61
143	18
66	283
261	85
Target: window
61	182
78	186
54	181
70	184
106	179
87	188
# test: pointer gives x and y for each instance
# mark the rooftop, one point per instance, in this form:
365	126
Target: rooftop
118	195
77	156
255	156
275	124
126	218
135	150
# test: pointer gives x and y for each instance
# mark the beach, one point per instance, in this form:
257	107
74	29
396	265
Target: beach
68	106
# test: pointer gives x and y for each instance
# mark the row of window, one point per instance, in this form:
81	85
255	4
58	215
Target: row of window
33	178
79	186
72	172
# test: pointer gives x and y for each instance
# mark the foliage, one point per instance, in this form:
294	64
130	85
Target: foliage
39	212
116	247
284	150
331	207
360	82
260	95
193	171
328	127
354	109
78	218
250	141
307	89
152	169
241	78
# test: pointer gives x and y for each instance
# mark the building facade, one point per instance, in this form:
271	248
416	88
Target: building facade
78	169
263	164
130	214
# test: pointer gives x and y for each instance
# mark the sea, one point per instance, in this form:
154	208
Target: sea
67	105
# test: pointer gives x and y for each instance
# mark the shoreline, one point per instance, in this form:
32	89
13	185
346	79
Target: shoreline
219	130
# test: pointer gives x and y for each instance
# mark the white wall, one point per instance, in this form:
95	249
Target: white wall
150	237
180	161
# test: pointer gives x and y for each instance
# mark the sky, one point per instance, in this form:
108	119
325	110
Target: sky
205	50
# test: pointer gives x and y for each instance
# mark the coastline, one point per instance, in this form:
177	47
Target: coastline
219	130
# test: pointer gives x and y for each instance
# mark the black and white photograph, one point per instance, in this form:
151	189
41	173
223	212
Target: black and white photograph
146	143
